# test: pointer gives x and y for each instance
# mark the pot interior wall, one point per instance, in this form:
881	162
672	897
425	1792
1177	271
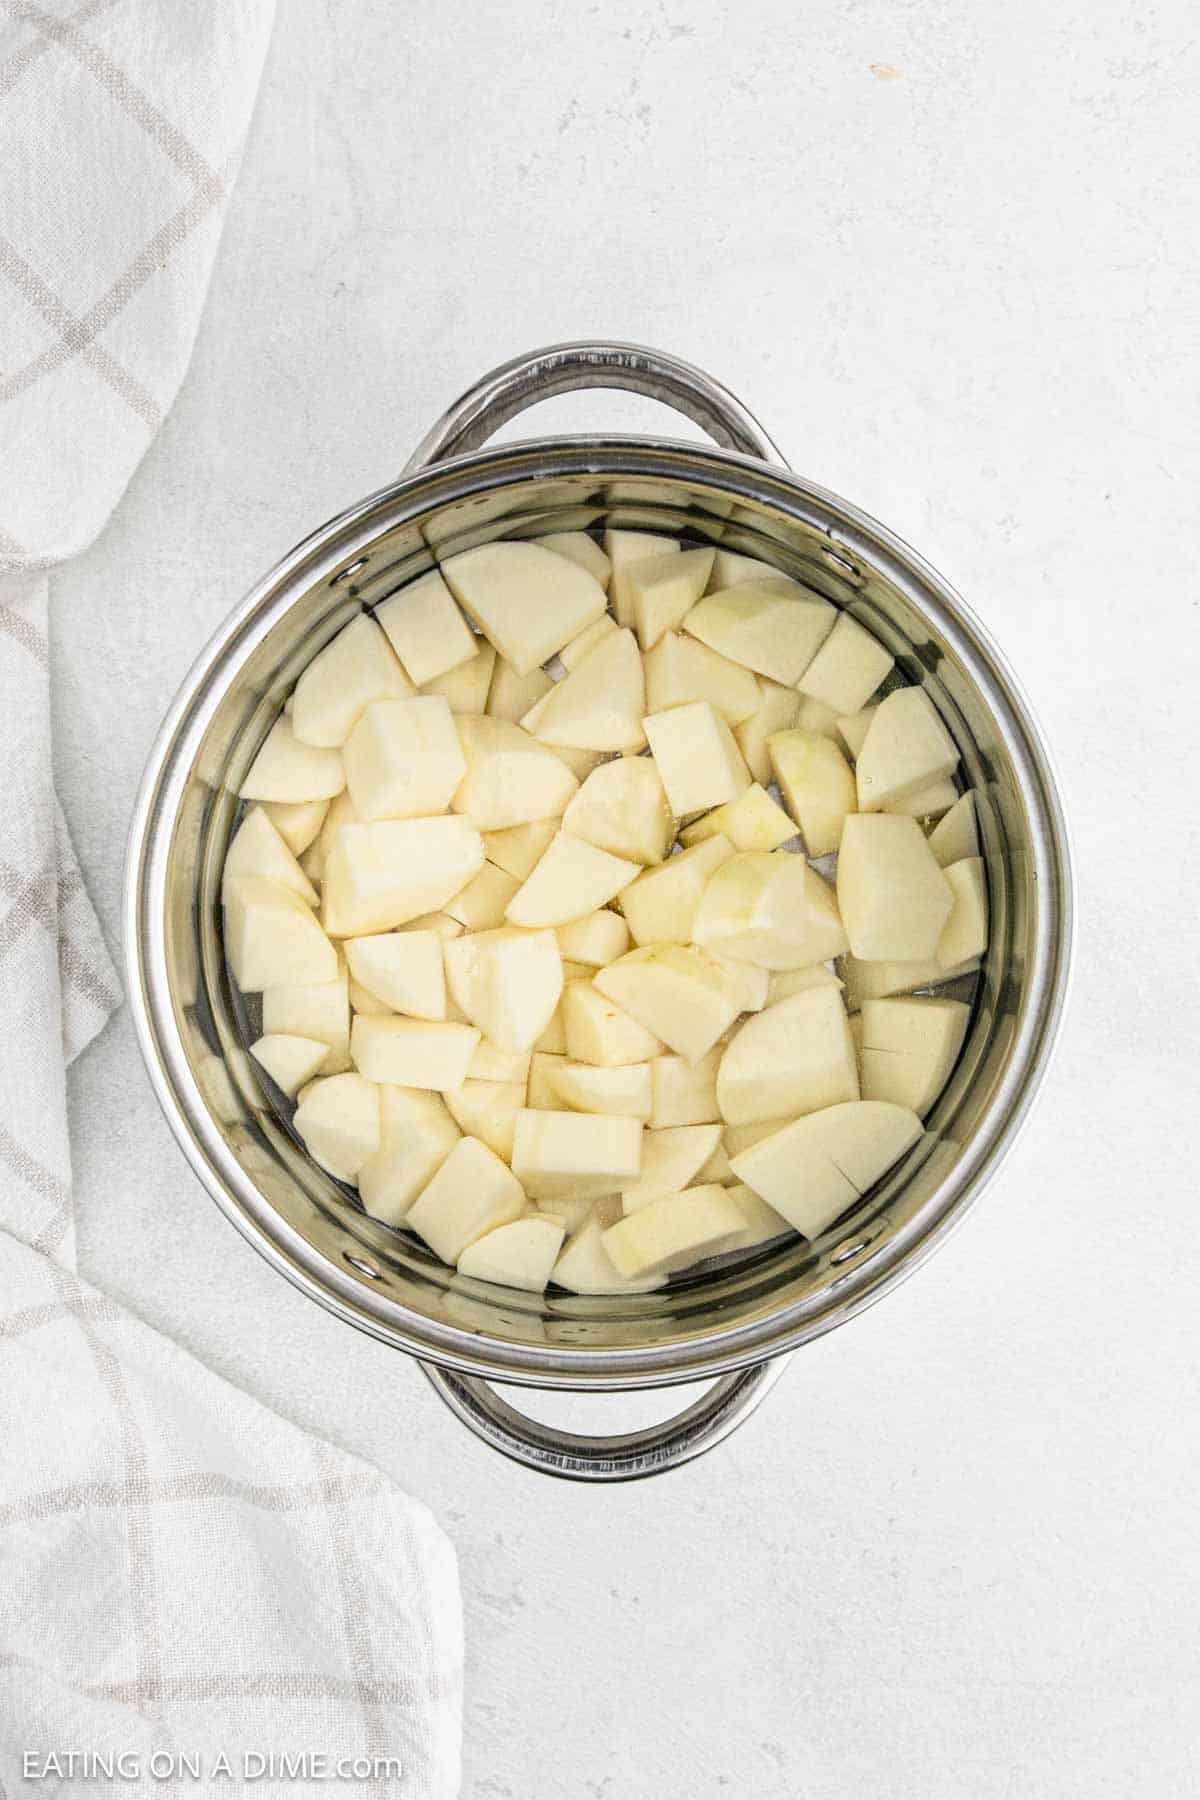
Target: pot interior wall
215	1024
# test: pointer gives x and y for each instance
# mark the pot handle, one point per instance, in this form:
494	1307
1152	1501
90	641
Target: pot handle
622	1456
564	368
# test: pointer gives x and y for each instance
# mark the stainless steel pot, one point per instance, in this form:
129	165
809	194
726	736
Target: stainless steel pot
735	1322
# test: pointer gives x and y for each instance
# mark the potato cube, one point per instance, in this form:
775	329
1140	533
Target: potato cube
625	549
685	1093
571	1155
318	1010
355	668
526	600
511	695
579	548
817	783
670	1160
426	629
623	1092
769	908
906	747
488	1110
289	1061
272	937
925	802
817	1167
853	730
599	1031
762	1223
595	939
751	822
697	758
541	1092
573	653
772	625
664	588
680	670
730	568
585	1267
956	836
417	1134
491	1063
778	709
518	848
383	873
673	1231
794	1058
848	667
622	808
258	849
298	822
783	983
894	899
676	990
338	1122
403	759
472	1193
909	1048
482	904
572	878
415	1053
599	704
519	1255
511	779
965	933
465	688
660	905
508	983
403	969
289	771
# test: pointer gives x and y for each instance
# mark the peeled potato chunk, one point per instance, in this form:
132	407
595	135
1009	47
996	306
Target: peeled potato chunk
403	969
472	1193
965	933
540	1091
794	1058
853	729
600	703
817	719
511	779
417	1134
465	688
508	982
906	748
770	909
297	822
380	875
673	1231
342	680
676	990
570	1155
585	1267
258	849
526	600
488	1110
893	897
579	548
876	980
600	1032
751	822
403	759
847	668
956	836
517	849
317	1009
730	568
926	802
417	1053
491	1063
680	670
685	1093
511	695
572	878
660	905
624	1092
426	629
817	784
772	625
664	588
595	939
622	808
579	647
292	772
624	550
338	1123
786	982
909	1048
696	756
670	1160
272	937
289	1061
519	1255
778	710
815	1168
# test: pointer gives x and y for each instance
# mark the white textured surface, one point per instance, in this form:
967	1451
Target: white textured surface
957	1552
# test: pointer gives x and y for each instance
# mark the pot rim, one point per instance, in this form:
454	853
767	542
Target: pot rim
338	543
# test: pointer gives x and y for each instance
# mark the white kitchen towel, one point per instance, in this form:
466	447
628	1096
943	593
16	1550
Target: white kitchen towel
182	1574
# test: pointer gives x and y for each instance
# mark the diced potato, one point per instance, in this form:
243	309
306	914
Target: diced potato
622	808
956	836
341	812
416	1053
772	625
570	1214
491	1063
417	1134
876	980
382	874
675	990
488	1110
769	908
817	784
541	1092
426	629
595	939
585	1267
664	588
403	759
465	688
670	1160
816	718
894	899
483	903
272	937
572	878
696	756
680	670
508	983
362	1000
717	1168
660	905
572	1155
624	1092
297	822
511	695
554	1037
472	1193
403	969
674	1231
924	803
599	704
440	923
517	849
848	667
526	600
762	1223
572	654
318	1010
906	748
743	1137
965	933
289	1061
794	1058
338	1122
520	1255
751	822
511	779
778	710
625	549
355	668
601	1032
815	1168
685	1093
730	568
853	730
579	762
257	849
581	549
751	983
909	1048
287	770
783	983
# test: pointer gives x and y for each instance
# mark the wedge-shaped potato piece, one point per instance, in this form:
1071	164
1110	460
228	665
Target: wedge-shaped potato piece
355	668
585	1267
465	688
778	710
909	1048
272	937
762	1223
380	875
876	980
674	1231
570	1214
894	899
540	1091
338	1123
507	982
417	1134
663	589
572	654
416	1053
853	730
596	938
661	904
685	1093
297	823
680	670
573	1155
519	848
257	849
670	1160
817	783
965	933
783	983
491	1063
572	878
511	778
847	668
815	1168
625	1092
956	836
751	822
625	549
772	625
403	969
730	568
579	548
289	1061
906	748
319	1010
751	982
403	759
426	629
769	908
520	1255
675	990
600	703
622	808
488	1110
794	1058
697	757
511	695
483	902
526	600
472	1193
599	1031
925	803
287	770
